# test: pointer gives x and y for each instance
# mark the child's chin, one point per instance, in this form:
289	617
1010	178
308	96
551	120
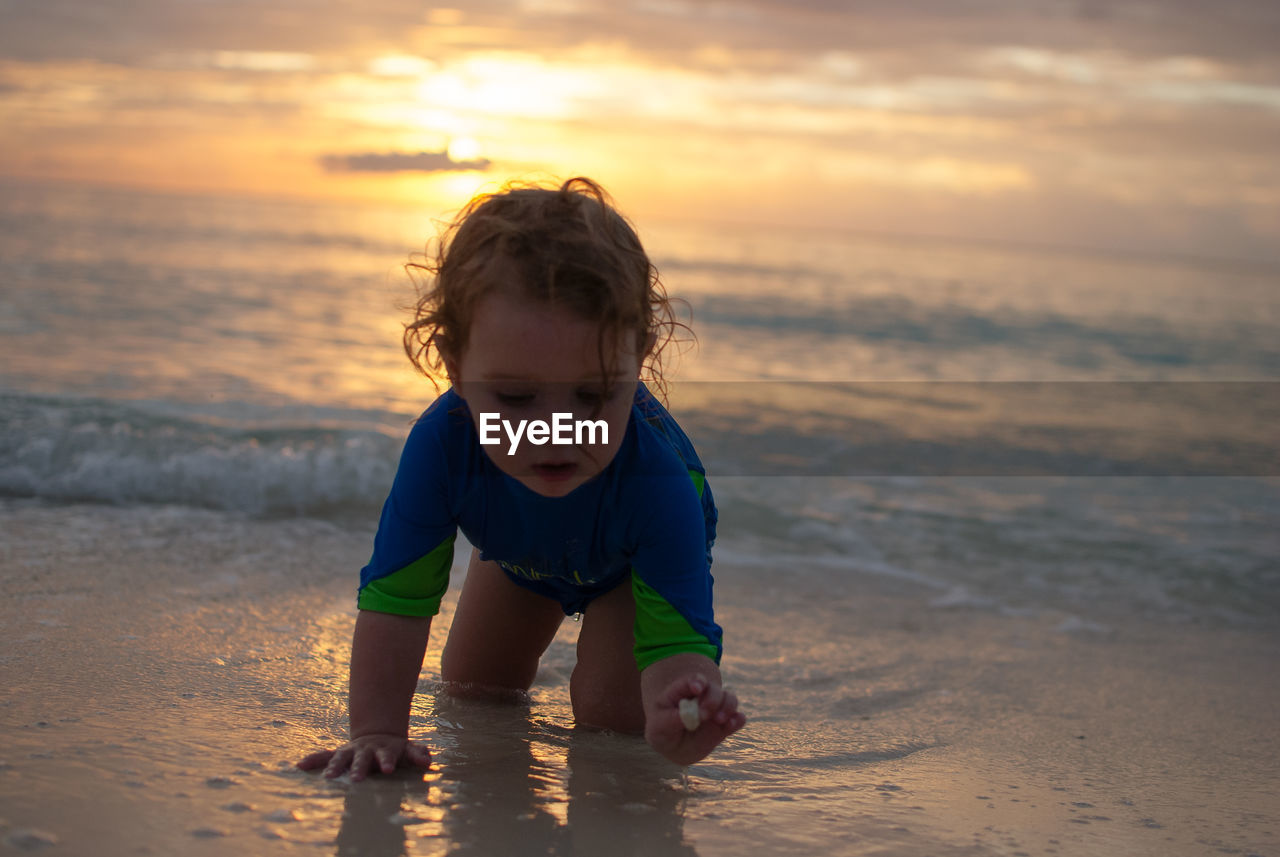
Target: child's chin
554	482
551	488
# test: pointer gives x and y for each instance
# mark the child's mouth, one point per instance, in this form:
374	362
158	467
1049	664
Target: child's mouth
556	471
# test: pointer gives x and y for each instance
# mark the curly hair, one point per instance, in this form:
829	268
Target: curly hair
567	246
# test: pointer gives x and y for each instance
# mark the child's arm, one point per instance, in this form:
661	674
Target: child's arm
386	657
687	676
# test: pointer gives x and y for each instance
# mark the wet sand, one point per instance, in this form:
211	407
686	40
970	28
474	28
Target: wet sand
162	668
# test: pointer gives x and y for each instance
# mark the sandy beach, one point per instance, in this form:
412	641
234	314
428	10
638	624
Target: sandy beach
163	667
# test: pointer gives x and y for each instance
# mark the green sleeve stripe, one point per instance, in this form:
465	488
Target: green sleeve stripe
416	589
698	481
661	631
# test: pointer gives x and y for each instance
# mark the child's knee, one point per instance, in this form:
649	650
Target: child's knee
463	668
605	705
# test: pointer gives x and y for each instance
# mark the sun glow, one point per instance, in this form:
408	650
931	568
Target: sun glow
434	104
509	85
462	149
400	65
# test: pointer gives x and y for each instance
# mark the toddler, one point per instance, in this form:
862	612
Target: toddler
578	490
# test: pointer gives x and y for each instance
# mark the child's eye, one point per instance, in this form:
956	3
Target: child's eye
594	397
514	400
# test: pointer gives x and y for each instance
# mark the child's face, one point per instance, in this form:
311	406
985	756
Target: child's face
527	360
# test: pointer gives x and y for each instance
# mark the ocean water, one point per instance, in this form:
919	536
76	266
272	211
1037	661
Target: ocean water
919	448
886	405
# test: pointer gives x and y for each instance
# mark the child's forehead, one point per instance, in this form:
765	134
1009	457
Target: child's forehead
533	377
507	311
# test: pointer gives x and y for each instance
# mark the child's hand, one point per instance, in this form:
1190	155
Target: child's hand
718	714
366	755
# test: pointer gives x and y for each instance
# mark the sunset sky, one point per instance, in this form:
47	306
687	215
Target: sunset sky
1151	126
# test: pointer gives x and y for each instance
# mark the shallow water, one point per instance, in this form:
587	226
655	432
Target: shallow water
997	556
166	717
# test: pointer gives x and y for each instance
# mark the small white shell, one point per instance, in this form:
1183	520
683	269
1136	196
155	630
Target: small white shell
689	714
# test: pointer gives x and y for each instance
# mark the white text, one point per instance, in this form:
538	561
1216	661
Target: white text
563	430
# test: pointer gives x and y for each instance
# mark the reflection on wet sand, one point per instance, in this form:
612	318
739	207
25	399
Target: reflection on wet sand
624	805
373	816
504	782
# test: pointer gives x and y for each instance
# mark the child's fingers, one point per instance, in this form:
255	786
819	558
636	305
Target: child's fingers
713	703
418	755
361	761
362	764
387	758
727	709
339	762
731	724
315	760
690	686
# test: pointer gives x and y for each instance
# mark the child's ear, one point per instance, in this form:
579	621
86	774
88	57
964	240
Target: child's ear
451	367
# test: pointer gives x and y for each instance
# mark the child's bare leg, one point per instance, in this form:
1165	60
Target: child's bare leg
605	687
499	632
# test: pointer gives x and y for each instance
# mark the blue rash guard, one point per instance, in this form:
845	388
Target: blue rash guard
648	516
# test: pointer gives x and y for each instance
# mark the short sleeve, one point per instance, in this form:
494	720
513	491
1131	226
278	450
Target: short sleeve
671	576
408	572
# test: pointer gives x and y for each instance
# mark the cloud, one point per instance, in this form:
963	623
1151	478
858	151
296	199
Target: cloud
882	41
400	162
1240	32
1057	117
